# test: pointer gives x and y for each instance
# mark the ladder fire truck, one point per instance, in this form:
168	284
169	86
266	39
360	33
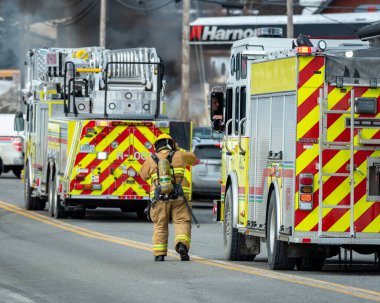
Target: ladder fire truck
301	151
92	117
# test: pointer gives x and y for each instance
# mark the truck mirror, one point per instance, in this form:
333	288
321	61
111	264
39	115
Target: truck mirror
19	122
216	110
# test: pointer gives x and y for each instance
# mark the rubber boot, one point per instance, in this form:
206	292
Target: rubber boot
159	258
183	252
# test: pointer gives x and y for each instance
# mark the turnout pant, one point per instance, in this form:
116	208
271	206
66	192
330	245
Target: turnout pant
160	213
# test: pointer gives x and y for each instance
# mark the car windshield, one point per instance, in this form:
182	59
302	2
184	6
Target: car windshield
205	133
207	152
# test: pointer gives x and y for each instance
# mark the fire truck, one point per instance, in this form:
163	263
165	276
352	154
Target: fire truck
92	117
301	150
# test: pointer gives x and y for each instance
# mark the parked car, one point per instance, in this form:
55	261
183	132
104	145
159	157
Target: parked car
11	146
207	169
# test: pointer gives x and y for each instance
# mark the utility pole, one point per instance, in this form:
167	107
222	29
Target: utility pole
289	12
103	20
185	70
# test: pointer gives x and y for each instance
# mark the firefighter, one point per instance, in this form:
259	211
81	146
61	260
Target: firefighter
166	168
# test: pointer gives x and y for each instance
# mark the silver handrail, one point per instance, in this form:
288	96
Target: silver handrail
242	150
226	136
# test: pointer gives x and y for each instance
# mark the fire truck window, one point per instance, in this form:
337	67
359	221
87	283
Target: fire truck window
243	67
242	114
237	67
229	102
237	110
232	65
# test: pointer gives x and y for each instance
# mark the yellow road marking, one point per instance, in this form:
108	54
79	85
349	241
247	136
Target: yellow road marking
314	283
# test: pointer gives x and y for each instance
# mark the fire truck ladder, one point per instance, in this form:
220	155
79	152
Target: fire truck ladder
335	145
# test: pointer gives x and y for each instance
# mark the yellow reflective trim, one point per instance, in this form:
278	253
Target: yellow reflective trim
182	237
160	245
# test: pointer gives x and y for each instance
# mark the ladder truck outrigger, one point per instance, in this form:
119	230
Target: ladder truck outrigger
301	150
92	117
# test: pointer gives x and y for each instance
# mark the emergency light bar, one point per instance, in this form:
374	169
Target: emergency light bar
304	50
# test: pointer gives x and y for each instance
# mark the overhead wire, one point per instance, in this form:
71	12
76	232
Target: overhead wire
142	9
78	17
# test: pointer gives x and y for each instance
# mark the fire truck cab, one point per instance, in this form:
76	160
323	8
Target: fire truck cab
92	117
301	150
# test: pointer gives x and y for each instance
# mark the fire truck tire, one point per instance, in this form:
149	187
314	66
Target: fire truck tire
28	199
52	198
56	210
310	264
277	250
1	166
231	236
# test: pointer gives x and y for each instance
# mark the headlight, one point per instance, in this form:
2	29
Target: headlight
102	156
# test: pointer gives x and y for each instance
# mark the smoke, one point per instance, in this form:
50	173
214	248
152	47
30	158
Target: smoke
197	113
126	28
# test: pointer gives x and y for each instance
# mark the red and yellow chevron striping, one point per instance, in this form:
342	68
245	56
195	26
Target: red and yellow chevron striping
336	190
124	147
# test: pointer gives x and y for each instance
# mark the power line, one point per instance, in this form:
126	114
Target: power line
145	9
81	15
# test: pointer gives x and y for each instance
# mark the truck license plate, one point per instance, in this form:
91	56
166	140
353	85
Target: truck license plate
87	148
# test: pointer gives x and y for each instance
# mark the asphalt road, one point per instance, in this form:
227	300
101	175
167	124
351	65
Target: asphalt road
107	258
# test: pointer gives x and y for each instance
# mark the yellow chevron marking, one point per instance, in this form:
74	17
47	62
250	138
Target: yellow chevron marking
307	122
104	164
148	134
344	222
310	86
311	220
99	147
304	61
304	159
341	191
374	226
336	95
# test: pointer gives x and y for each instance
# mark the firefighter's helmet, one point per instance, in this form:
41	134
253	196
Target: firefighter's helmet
163	141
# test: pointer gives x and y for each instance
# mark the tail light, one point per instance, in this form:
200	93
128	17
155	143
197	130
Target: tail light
79	186
198	162
80	177
305	191
17	143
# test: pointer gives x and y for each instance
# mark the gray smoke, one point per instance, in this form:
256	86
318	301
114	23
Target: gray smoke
73	26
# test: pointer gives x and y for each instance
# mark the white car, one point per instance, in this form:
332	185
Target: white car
207	170
11	146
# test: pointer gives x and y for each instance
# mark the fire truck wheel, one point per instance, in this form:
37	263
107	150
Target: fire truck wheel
1	166
28	199
277	250
231	236
56	210
310	264
52	198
